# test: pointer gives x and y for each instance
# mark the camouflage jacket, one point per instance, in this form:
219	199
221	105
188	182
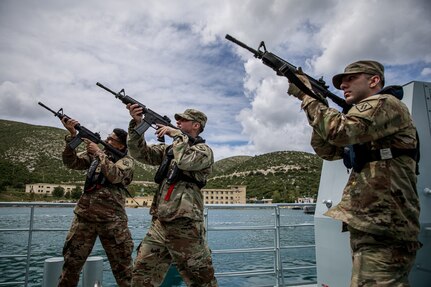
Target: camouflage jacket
381	199
108	202
182	198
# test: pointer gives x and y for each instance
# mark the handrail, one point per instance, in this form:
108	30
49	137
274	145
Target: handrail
277	269
30	230
276	249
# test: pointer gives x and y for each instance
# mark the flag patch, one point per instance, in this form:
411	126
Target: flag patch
363	107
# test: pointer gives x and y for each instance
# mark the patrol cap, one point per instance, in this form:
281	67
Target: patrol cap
193	115
364	66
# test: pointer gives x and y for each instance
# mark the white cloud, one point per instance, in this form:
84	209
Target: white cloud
172	55
392	32
426	72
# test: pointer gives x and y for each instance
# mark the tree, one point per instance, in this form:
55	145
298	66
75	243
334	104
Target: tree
58	191
76	193
3	186
276	197
12	174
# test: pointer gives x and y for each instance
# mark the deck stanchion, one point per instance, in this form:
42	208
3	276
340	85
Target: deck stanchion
52	271
93	272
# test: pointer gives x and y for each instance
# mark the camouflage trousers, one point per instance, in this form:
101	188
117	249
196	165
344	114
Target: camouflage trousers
116	240
181	241
380	261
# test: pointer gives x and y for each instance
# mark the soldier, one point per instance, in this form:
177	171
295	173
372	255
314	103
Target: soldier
177	232
100	211
377	139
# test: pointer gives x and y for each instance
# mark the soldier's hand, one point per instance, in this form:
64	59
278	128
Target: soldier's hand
165	130
294	90
136	112
92	148
70	124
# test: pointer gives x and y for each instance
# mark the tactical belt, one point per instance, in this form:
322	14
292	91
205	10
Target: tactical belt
187	178
360	155
388	153
182	177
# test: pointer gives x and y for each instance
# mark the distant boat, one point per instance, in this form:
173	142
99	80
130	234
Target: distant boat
309	209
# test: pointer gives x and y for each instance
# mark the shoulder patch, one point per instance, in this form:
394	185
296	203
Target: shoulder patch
362	107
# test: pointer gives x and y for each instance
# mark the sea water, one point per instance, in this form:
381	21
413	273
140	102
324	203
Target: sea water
46	244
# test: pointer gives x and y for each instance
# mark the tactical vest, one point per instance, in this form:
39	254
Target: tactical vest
95	181
174	174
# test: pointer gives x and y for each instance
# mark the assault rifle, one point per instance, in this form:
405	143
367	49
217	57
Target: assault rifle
319	89
83	132
150	119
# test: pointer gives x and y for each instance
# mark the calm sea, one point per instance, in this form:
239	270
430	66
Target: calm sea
49	244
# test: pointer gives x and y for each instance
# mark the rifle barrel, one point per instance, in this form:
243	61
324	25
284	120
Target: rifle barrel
239	43
106	88
41	104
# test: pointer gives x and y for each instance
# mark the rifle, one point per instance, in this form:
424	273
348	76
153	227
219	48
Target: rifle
83	132
150	119
319	89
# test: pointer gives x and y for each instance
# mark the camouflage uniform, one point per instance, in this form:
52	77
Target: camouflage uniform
177	232
379	204
100	212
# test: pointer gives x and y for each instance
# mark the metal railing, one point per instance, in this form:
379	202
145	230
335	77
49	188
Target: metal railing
277	271
30	231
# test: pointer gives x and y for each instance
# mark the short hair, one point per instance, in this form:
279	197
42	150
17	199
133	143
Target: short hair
122	136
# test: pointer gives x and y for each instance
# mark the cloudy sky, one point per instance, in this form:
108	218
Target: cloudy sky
173	55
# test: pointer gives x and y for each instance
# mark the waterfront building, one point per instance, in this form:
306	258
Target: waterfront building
142	201
304	200
234	194
47	188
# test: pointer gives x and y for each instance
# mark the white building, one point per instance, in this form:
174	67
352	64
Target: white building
139	201
233	195
47	188
305	200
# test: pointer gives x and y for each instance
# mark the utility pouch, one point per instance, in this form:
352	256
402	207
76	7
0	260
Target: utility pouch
348	156
173	174
356	156
164	167
92	177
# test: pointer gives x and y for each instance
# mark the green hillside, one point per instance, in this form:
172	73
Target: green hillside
282	176
31	154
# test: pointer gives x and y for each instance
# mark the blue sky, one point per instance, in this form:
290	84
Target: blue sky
172	55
